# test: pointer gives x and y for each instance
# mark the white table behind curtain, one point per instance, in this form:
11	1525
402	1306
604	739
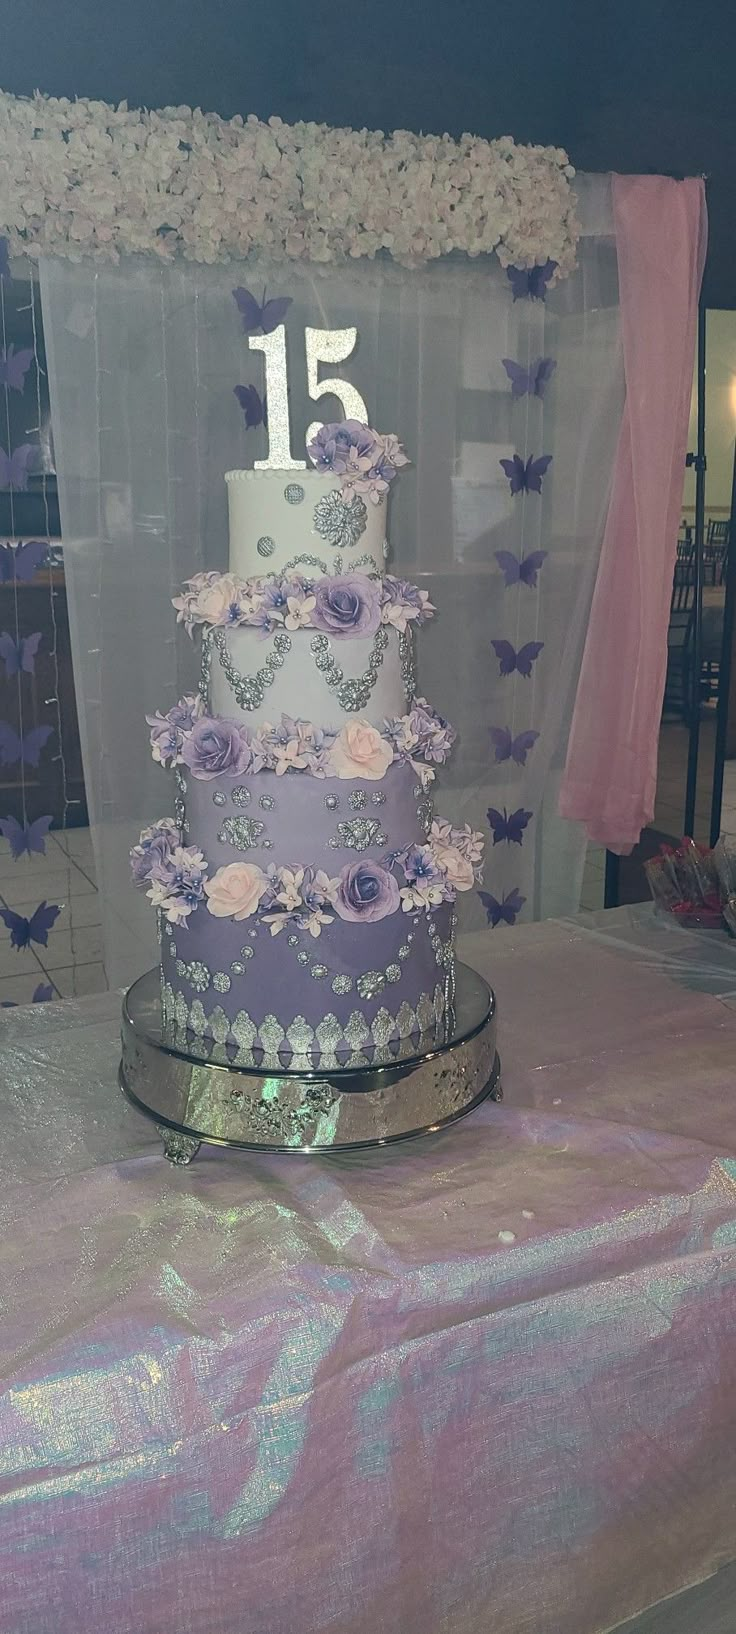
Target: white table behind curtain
142	361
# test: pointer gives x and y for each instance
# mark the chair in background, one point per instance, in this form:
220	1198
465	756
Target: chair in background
677	692
715	550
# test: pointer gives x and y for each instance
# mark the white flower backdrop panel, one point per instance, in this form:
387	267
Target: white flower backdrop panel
143	361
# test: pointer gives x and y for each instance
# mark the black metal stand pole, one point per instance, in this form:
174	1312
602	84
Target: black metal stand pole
724	667
699	463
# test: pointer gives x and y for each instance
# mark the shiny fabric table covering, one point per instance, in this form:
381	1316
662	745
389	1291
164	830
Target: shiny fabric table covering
479	1384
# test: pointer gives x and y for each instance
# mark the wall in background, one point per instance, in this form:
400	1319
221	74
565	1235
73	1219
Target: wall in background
720	415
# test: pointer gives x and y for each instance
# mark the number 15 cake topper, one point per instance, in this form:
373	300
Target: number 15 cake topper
322	346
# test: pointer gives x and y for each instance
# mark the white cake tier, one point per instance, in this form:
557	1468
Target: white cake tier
299	687
277	516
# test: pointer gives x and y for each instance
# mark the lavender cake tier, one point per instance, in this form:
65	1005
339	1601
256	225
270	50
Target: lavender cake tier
264	818
352	997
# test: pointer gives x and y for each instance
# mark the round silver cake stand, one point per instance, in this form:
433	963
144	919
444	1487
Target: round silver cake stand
208	1097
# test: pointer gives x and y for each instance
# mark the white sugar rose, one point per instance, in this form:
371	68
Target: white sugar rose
360	751
235	891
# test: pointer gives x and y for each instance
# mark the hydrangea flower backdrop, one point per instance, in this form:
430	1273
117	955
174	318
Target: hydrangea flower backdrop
502	372
83	178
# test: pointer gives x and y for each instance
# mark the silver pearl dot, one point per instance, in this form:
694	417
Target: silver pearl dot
266	802
219	798
293	493
318	971
303	957
246	952
332	802
265	545
379	798
293	941
238	969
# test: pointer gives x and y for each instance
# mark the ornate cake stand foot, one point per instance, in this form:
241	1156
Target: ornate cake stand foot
178	1149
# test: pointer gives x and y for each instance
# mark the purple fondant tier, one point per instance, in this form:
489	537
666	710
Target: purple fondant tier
355	994
296	819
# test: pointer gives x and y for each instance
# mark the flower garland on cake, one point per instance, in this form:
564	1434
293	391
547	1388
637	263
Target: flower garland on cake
343	607
212	746
86	179
302	897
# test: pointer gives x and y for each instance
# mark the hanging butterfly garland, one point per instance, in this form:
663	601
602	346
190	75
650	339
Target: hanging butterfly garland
525	475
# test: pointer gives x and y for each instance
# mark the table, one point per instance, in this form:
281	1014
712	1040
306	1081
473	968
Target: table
480	1384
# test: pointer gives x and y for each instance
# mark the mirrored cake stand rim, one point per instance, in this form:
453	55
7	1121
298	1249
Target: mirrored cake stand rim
469	1051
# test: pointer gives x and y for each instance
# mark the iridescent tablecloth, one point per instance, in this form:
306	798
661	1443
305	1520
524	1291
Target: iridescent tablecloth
482	1384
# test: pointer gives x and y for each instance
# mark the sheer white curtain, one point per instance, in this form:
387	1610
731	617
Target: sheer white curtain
142	364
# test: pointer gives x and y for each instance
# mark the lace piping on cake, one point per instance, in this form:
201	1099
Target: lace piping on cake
270	1045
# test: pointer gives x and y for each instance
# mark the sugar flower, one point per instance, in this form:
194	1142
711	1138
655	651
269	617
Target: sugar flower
214	746
154	847
176	883
366	893
359	750
348	606
235	891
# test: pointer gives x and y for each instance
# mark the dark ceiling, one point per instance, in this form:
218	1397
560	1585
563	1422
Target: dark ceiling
645	86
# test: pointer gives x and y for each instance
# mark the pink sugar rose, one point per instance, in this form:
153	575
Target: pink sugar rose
235	891
458	869
216	601
360	751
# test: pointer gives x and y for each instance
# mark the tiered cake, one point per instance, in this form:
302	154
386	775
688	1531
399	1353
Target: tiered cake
304	889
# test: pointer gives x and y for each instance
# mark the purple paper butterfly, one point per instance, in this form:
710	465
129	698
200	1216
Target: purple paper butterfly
14	366
26	836
36	929
28	748
520	572
4	259
253	406
41	995
532	380
508	826
20	655
530	283
526	479
504	911
14	467
509	659
21	561
510	748
264	315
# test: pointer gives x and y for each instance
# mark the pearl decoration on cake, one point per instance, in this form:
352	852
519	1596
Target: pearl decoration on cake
265	545
293	493
219	798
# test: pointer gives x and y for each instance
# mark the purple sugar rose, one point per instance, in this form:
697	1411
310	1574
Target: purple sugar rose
350	605
366	892
340	444
154	850
215	745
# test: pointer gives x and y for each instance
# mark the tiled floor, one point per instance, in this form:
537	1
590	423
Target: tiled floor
72	963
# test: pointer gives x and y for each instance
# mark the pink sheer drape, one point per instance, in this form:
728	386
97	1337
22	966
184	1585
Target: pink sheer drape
611	771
